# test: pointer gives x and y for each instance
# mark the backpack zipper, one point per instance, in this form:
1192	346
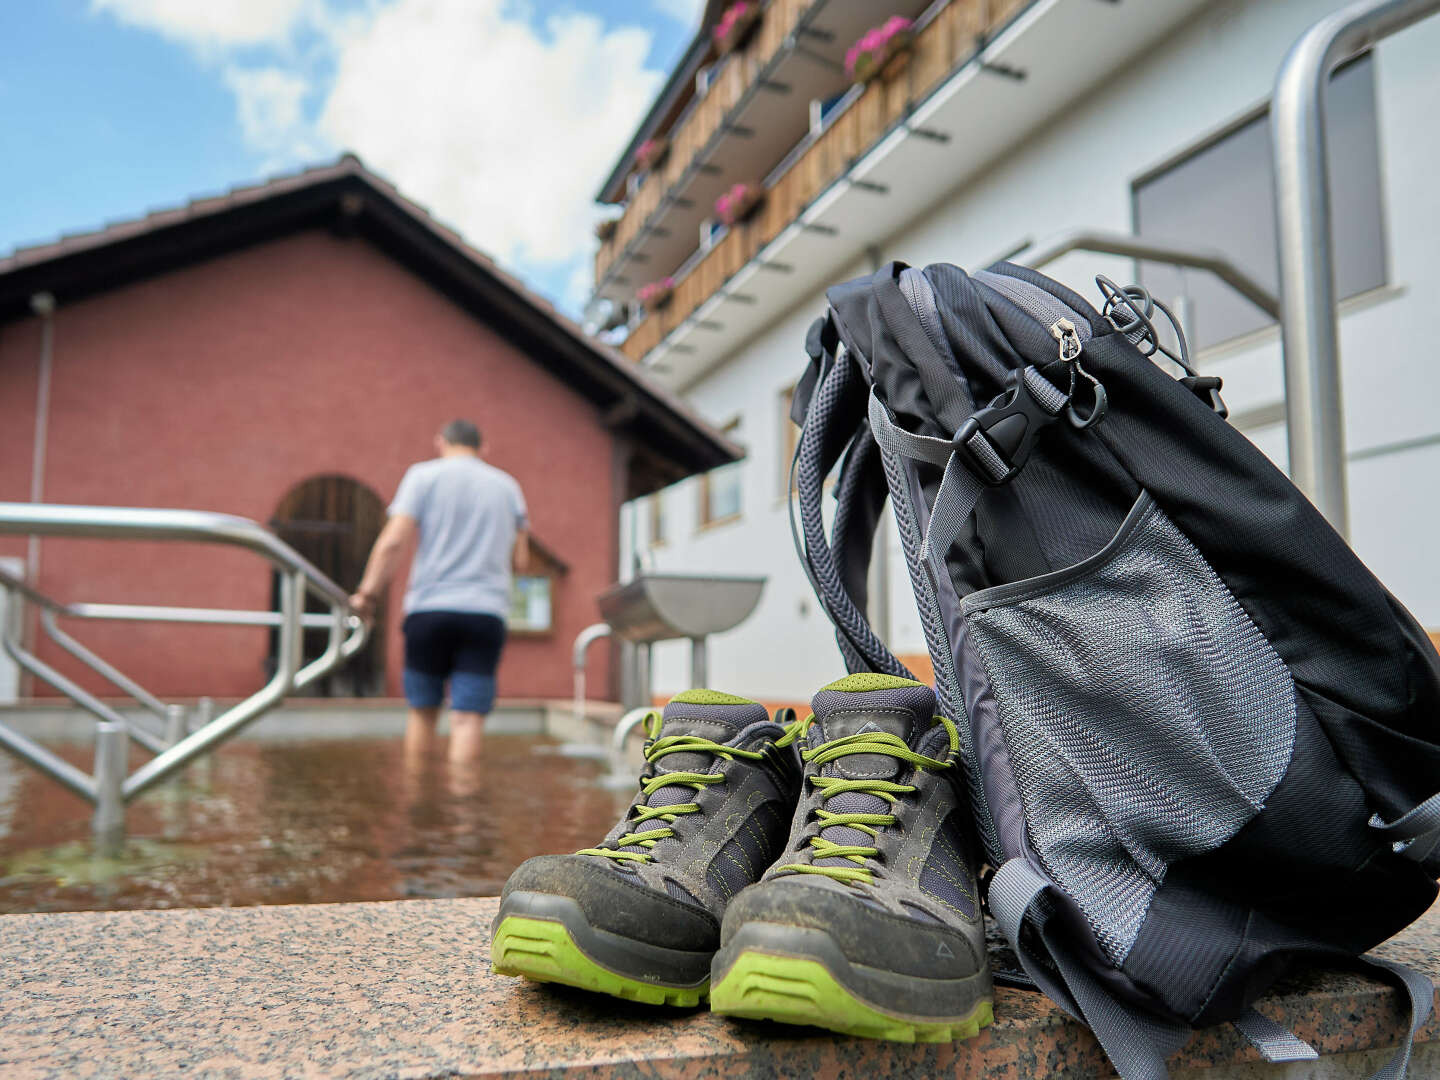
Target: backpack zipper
1063	331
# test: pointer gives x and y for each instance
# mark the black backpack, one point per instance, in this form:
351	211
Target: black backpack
1202	739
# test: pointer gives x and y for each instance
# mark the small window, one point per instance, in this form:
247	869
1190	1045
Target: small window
789	439
720	488
533	593
1221	195
530	605
657	519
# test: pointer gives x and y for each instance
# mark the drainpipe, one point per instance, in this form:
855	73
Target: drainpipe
43	305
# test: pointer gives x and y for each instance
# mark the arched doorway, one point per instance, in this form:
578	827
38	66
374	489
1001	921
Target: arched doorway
333	520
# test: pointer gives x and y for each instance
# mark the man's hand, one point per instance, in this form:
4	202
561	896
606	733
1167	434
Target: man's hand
364	604
380	567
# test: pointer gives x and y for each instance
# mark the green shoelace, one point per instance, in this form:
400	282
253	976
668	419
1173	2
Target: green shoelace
655	749
865	742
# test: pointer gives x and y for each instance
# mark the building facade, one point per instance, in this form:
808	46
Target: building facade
283	354
1004	126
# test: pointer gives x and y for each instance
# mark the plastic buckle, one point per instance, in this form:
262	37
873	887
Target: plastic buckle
1010	424
1207	389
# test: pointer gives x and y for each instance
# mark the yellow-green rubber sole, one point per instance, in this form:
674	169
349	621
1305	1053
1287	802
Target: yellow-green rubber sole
793	990
544	951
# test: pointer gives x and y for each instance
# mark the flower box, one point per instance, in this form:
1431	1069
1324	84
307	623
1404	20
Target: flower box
656	294
738	203
652	153
735	26
605	229
878	48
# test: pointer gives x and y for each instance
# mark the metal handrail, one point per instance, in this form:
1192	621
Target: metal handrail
133	523
299	577
1105	242
1308	330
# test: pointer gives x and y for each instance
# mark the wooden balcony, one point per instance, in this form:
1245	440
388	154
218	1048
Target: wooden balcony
952	36
730	81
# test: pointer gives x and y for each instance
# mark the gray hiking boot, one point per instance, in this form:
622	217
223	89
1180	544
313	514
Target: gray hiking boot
870	922
638	916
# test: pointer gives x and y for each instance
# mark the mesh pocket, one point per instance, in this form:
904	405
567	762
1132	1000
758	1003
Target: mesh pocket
1146	717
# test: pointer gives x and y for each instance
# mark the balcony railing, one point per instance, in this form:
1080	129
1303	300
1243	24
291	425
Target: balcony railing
949	35
729	81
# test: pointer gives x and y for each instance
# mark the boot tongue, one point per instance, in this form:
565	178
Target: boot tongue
866	703
707	714
872	703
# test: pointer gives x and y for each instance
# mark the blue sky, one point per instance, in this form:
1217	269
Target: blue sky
500	116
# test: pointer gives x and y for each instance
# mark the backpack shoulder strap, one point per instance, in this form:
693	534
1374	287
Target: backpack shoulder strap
833	421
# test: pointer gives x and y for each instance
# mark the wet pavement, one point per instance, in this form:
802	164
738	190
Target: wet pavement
314	821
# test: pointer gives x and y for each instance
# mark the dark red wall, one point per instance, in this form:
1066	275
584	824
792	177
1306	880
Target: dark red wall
221	386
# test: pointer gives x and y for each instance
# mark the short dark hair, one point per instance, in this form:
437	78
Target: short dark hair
461	433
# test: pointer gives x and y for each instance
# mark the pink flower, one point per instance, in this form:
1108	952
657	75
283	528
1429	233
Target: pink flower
874	42
733	14
656	290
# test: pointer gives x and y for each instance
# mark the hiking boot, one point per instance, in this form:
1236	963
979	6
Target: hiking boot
638	916
870	923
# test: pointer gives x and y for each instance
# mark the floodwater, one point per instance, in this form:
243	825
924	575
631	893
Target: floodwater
302	822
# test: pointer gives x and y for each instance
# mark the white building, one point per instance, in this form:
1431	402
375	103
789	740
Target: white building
1137	116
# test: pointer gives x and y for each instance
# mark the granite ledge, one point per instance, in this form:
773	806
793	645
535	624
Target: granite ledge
403	989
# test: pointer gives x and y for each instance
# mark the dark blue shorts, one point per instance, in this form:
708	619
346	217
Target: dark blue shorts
462	647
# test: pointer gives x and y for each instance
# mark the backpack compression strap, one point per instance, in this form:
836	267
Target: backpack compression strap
1139	1044
989	449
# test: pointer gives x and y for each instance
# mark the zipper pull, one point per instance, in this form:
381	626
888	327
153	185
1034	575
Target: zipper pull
1064	332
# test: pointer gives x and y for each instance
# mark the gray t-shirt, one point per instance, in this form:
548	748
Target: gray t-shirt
468	512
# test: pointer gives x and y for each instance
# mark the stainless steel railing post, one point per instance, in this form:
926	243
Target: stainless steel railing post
292	590
1308	326
174	723
112	744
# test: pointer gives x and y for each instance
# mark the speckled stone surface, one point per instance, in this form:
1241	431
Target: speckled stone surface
403	989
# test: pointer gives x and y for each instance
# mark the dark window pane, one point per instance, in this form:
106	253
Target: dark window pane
1222	196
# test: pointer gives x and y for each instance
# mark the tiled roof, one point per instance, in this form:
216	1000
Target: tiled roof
150	244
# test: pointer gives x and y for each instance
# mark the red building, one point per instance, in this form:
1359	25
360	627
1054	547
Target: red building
284	352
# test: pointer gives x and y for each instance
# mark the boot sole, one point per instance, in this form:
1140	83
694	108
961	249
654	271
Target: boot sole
547	948
797	985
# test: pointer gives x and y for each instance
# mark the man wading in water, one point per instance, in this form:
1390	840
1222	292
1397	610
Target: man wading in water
470	519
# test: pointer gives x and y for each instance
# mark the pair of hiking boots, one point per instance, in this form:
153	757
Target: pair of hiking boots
810	872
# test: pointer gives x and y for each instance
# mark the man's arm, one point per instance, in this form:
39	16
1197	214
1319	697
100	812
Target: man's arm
521	557
383	561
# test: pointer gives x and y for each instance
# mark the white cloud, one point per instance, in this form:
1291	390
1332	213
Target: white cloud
269	103
502	125
503	130
685	12
210	24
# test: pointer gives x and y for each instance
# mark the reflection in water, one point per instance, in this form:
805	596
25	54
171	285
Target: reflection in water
299	822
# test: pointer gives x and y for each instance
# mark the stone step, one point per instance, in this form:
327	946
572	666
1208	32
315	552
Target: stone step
403	989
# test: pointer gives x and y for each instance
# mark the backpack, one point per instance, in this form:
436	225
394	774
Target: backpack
1200	738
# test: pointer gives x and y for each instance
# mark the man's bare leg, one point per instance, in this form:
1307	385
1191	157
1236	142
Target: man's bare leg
420	734
467	735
